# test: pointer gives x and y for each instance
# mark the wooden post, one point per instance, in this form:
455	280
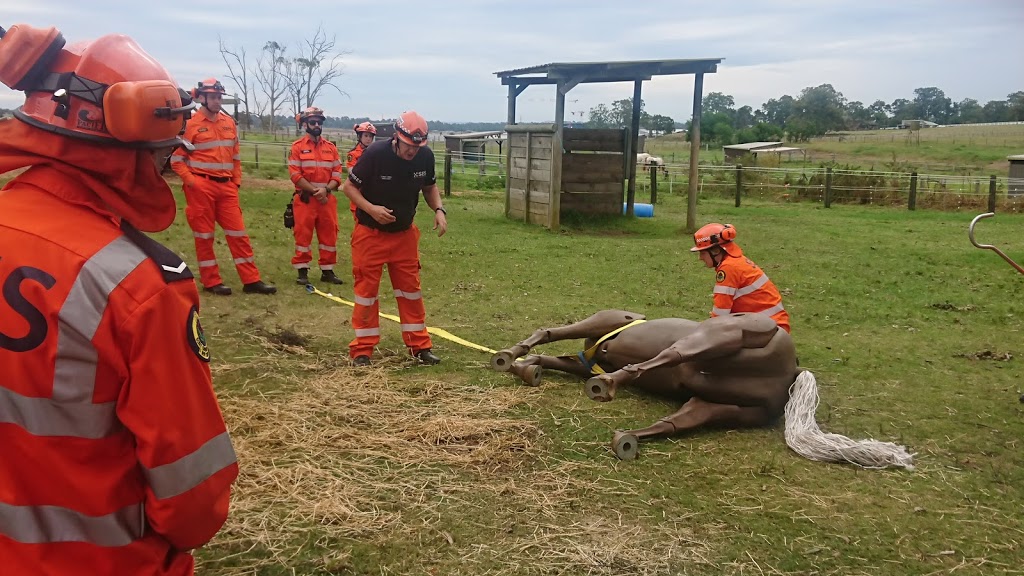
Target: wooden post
912	201
257	146
992	193
691	194
634	142
739	183
828	187
508	153
447	172
654	185
526	187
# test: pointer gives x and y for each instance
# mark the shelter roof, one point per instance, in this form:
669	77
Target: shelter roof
618	71
753	145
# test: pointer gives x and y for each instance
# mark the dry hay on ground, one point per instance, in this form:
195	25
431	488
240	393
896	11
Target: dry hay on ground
378	456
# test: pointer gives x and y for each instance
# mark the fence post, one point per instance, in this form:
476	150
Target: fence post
828	187
654	185
257	146
992	193
912	201
447	173
739	183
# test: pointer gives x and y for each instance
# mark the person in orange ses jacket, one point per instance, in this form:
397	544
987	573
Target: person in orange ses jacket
211	174
740	285
365	134
315	170
385	186
116	459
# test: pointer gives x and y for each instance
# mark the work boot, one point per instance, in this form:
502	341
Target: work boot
219	290
259	287
329	277
303	278
425	356
361	361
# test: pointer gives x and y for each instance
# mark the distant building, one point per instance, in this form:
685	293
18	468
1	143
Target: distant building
918	123
1016	182
735	152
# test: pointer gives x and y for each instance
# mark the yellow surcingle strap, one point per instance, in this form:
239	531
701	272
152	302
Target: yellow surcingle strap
587	356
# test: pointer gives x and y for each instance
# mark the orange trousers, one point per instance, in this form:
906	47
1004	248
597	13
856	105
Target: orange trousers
323	218
371	250
209	203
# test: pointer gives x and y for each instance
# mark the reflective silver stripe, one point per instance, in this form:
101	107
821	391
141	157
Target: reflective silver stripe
315	164
302	248
211	165
741	292
337	163
727	290
46	417
336	175
245	260
408	295
235	233
236	157
50	524
207	263
773	310
178	160
364	301
74	374
189	471
215	144
721	311
413	327
326	267
295	163
301	266
326	248
360	332
319	184
203	235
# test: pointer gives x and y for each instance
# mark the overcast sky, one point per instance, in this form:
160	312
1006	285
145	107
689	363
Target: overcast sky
440	57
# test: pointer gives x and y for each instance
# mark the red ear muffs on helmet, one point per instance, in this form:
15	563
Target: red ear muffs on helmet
144	111
728	233
26	54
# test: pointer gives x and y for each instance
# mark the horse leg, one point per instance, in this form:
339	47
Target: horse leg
529	369
593	327
713	338
695	413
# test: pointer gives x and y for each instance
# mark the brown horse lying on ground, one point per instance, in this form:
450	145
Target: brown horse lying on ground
732	371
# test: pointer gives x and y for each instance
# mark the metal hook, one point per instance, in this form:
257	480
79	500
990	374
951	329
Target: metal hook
970	234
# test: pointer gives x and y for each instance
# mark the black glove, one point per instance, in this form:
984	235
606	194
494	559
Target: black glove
289	216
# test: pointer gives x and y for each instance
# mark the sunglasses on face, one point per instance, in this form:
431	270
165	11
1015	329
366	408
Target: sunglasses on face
315	122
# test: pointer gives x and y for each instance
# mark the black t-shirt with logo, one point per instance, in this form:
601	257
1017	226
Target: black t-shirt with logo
389	181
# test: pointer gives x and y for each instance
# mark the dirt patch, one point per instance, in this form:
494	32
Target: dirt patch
987	355
953	307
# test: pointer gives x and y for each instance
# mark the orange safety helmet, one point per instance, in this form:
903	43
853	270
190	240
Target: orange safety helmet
411	128
208	86
311	112
108	90
365	127
715	234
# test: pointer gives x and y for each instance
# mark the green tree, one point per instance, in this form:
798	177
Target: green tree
997	111
932	104
819	109
660	123
599	117
744	118
777	111
718	103
968	111
1015	102
903	109
879	113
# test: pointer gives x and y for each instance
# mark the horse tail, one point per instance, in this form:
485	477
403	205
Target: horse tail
806	439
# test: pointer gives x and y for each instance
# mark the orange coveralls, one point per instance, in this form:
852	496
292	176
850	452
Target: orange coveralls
319	163
115	455
350	161
741	286
211	175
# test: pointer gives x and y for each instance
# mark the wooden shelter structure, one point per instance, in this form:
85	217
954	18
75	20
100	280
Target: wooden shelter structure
537	154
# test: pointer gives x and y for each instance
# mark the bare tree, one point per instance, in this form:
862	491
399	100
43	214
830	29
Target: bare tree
271	79
296	79
238	72
320	64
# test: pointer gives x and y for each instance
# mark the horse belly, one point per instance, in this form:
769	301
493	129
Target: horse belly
643	342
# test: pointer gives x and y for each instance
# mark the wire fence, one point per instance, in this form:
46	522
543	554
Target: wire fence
487	172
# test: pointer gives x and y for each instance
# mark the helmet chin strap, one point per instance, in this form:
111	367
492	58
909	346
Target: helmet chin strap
717	256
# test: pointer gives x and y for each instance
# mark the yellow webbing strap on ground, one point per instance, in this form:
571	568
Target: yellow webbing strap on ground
587	356
435	331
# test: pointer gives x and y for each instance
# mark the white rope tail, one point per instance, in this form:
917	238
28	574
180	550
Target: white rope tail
807	440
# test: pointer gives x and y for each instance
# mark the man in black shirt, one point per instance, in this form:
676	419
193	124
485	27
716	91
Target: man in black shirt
385	186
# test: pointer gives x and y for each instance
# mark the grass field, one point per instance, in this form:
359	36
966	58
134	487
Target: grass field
914	337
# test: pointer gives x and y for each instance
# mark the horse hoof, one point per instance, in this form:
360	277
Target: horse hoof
598	389
502	361
625	445
529	374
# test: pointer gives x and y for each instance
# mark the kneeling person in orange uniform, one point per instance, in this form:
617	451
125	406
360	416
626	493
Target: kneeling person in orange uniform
365	134
115	456
315	170
211	174
740	285
385	186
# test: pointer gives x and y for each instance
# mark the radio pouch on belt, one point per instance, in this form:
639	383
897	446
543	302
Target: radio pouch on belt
289	216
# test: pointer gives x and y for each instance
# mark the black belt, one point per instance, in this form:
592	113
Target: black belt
220	179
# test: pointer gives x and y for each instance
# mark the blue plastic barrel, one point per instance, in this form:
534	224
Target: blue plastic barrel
640	210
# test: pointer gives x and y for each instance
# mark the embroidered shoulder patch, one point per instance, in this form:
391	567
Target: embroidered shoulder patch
720	277
203	129
194	335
